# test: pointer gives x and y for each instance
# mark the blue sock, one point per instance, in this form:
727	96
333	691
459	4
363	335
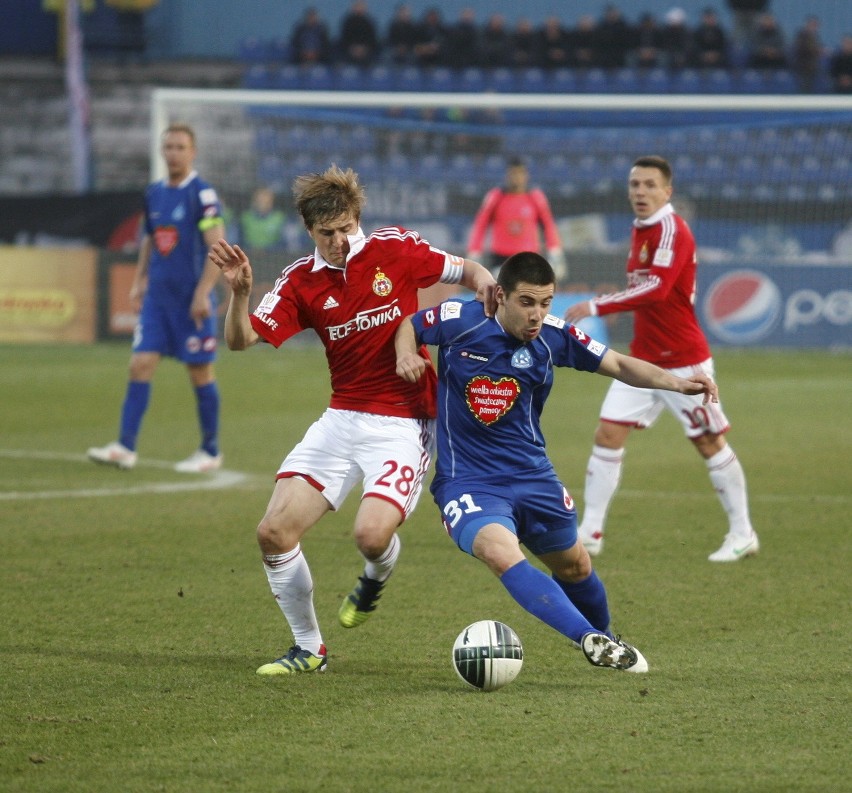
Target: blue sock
543	598
207	397
133	410
589	596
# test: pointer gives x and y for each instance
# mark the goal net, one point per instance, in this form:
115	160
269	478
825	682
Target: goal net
765	181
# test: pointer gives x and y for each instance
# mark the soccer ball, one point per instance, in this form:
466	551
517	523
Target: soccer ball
487	655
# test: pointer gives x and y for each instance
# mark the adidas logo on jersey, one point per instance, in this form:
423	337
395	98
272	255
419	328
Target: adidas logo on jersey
330	303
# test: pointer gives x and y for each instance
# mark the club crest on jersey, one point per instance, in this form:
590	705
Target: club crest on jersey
521	358
568	499
178	213
165	238
382	285
643	253
490	400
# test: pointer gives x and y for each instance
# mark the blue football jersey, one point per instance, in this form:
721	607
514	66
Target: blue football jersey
174	218
492	388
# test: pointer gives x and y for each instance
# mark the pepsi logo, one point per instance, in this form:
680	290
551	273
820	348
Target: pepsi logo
742	306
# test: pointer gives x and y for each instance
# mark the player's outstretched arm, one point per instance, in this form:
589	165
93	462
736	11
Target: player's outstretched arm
642	374
409	364
236	270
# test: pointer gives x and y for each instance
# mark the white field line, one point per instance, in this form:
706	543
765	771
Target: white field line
217	480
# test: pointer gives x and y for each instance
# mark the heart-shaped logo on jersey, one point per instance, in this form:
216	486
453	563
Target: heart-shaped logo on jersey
165	238
490	400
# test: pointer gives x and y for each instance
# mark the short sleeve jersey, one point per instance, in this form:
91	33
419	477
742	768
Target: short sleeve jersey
356	311
661	273
174	218
492	388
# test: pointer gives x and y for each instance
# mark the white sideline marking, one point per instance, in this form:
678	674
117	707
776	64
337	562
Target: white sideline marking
218	480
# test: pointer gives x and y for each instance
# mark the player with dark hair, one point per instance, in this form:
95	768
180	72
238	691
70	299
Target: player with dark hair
661	273
353	291
494	484
175	286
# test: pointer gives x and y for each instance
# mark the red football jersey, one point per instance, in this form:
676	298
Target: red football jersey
356	311
661	269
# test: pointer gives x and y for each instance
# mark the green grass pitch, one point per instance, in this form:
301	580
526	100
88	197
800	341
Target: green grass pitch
135	609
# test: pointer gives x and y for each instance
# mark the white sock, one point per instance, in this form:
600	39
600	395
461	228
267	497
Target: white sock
728	479
381	568
290	581
603	473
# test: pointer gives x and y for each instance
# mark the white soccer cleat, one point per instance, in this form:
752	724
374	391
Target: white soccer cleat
199	462
601	650
593	542
115	453
735	548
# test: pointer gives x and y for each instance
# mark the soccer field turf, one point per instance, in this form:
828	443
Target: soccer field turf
135	608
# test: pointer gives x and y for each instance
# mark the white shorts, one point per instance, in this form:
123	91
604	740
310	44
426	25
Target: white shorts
390	455
641	407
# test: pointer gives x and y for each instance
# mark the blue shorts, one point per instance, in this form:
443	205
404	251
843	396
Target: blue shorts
539	510
165	327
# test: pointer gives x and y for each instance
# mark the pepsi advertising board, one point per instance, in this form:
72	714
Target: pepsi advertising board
776	305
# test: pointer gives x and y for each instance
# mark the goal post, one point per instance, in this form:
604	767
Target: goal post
765	181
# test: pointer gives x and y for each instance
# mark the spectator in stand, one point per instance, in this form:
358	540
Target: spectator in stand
359	39
462	42
746	14
808	54
583	44
709	42
514	213
840	66
648	39
769	50
614	39
524	47
496	43
310	42
677	39
262	226
402	36
431	36
553	44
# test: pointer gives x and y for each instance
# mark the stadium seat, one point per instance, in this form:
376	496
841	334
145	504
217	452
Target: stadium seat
380	78
409	78
430	168
287	78
502	81
626	81
254	50
280	51
656	81
718	81
350	78
531	81
750	82
687	81
368	168
259	76
594	81
472	80
562	81
781	81
440	80
317	77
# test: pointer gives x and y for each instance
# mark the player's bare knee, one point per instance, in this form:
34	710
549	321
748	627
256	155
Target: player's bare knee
372	541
